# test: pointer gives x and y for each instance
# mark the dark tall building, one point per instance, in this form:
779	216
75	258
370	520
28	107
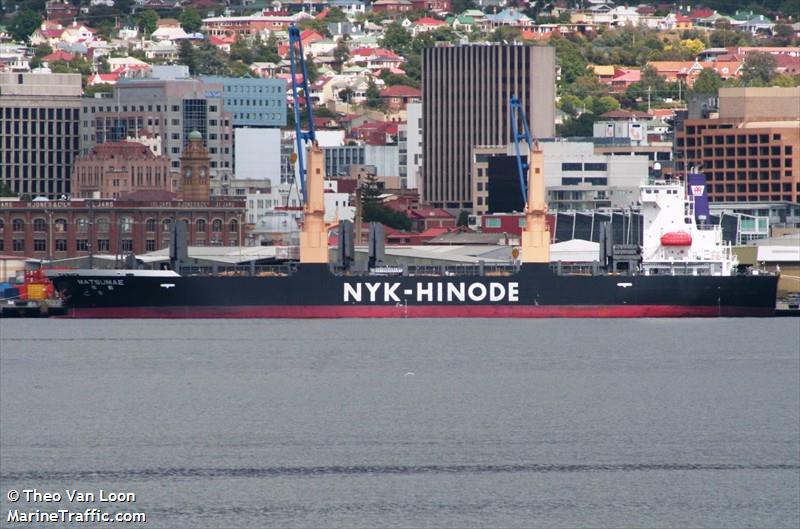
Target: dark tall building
39	132
465	102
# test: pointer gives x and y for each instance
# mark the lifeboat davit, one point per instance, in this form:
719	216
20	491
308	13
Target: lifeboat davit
676	238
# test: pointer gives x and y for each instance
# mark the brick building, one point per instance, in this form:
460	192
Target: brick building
114	169
751	153
65	229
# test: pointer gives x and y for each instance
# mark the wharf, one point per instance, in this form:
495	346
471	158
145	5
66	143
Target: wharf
32	309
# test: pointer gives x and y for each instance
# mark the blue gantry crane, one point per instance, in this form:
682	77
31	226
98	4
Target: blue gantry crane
516	114
300	89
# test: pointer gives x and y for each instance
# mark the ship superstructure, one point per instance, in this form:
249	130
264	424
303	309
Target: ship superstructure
673	241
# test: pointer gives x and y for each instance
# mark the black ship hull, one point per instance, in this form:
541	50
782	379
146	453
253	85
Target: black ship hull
313	291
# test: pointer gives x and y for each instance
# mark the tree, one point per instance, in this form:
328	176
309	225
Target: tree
334	15
190	20
505	34
23	24
147	21
758	69
463	218
267	52
604	104
724	35
459	6
707	82
311	68
578	127
571	59
570	104
786	81
341	53
346	95
6	191
396	38
373	95
241	50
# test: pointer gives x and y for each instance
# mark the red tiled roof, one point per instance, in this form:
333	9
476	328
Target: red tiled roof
429	213
59	55
428	21
400	90
702	12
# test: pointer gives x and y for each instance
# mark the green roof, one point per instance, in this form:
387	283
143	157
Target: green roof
195	135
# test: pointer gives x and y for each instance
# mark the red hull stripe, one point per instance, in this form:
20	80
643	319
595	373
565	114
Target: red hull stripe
422	311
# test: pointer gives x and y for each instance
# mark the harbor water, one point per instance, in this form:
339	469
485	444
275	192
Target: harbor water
406	423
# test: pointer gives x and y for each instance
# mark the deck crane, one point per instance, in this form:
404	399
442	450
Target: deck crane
311	164
536	238
298	61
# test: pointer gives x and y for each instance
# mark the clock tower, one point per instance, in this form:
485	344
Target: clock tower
195	182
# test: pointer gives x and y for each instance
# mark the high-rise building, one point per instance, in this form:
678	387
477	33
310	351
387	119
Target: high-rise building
466	92
39	132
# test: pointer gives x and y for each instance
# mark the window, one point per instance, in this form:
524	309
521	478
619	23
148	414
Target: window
595	167
216	226
39	225
103	225
39	245
493	223
233	226
200	226
18	245
102	245
17	225
566	166
127	245
126	224
166	225
150	245
82	245
2	225
150	225
82	225
61	245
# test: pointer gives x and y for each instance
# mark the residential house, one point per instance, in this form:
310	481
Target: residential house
398	96
425	24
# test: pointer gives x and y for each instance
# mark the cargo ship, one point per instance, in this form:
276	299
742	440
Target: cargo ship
685	269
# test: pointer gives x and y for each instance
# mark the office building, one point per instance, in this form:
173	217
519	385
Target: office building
465	102
751	152
252	102
39	132
576	178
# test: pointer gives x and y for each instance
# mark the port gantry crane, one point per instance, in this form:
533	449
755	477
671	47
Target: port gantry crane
536	234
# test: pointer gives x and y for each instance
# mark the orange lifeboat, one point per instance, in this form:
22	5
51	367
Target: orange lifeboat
676	238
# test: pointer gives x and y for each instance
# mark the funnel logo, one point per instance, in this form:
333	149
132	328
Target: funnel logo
698	190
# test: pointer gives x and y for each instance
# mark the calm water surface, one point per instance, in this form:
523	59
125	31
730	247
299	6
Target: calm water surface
408	423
